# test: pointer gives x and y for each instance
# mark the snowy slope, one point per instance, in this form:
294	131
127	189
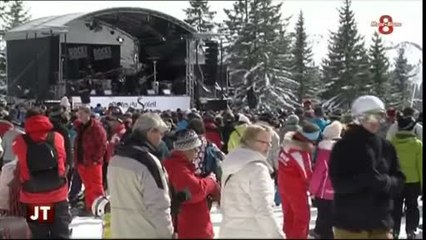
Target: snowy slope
86	228
90	228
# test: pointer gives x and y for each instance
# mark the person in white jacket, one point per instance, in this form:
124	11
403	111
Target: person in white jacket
247	195
139	191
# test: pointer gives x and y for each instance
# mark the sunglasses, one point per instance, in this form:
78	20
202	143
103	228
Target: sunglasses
264	142
375	117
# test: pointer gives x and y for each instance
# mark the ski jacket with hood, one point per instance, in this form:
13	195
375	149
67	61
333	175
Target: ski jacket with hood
295	161
393	129
139	192
247	197
194	216
410	154
235	137
38	128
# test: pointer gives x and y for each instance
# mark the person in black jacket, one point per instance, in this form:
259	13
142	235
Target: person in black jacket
366	176
59	118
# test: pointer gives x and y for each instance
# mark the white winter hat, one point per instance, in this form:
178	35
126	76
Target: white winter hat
65	102
243	118
367	104
333	130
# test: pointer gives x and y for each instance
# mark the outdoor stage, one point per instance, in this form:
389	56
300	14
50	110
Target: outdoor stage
47	55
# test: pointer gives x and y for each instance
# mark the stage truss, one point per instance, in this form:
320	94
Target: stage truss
190	58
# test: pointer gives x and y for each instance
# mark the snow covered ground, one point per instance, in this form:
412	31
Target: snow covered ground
89	228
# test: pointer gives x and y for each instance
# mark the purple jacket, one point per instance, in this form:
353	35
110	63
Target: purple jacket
320	185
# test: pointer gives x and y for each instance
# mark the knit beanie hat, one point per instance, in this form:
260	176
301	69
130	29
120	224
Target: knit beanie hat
367	104
310	131
186	140
333	130
406	123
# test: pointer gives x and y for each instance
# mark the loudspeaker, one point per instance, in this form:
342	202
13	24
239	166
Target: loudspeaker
85	96
216	105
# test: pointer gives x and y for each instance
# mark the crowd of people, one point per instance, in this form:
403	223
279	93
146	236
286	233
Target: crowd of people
159	173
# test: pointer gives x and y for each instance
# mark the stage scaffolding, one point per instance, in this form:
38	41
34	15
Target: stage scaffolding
192	44
190	77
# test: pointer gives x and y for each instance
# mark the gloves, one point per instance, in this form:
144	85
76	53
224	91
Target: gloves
212	176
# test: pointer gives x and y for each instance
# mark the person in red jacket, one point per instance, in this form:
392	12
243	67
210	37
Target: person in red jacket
118	129
90	146
294	174
193	220
38	129
212	131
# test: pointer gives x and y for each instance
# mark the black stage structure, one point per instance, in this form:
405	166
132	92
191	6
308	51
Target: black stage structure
47	57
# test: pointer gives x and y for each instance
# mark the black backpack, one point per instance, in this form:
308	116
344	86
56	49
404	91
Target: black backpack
42	163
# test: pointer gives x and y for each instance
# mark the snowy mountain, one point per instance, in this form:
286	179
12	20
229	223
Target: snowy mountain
413	53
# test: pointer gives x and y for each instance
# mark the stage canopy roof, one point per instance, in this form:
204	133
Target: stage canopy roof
144	24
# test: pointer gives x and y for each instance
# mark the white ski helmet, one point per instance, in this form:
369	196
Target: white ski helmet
100	206
367	104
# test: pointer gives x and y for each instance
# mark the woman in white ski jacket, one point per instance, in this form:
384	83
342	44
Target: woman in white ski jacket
247	195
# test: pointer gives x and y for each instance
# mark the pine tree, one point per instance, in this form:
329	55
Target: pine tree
199	16
2	11
3	5
16	14
259	54
345	70
233	28
401	85
315	86
363	84
379	68
301	60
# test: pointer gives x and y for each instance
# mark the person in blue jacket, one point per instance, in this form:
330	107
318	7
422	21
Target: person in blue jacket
319	119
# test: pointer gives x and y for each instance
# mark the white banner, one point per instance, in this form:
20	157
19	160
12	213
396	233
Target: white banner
162	103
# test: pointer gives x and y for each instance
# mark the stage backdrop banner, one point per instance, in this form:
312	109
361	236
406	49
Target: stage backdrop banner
162	103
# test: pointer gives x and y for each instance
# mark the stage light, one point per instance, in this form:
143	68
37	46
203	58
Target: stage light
166	92
120	40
